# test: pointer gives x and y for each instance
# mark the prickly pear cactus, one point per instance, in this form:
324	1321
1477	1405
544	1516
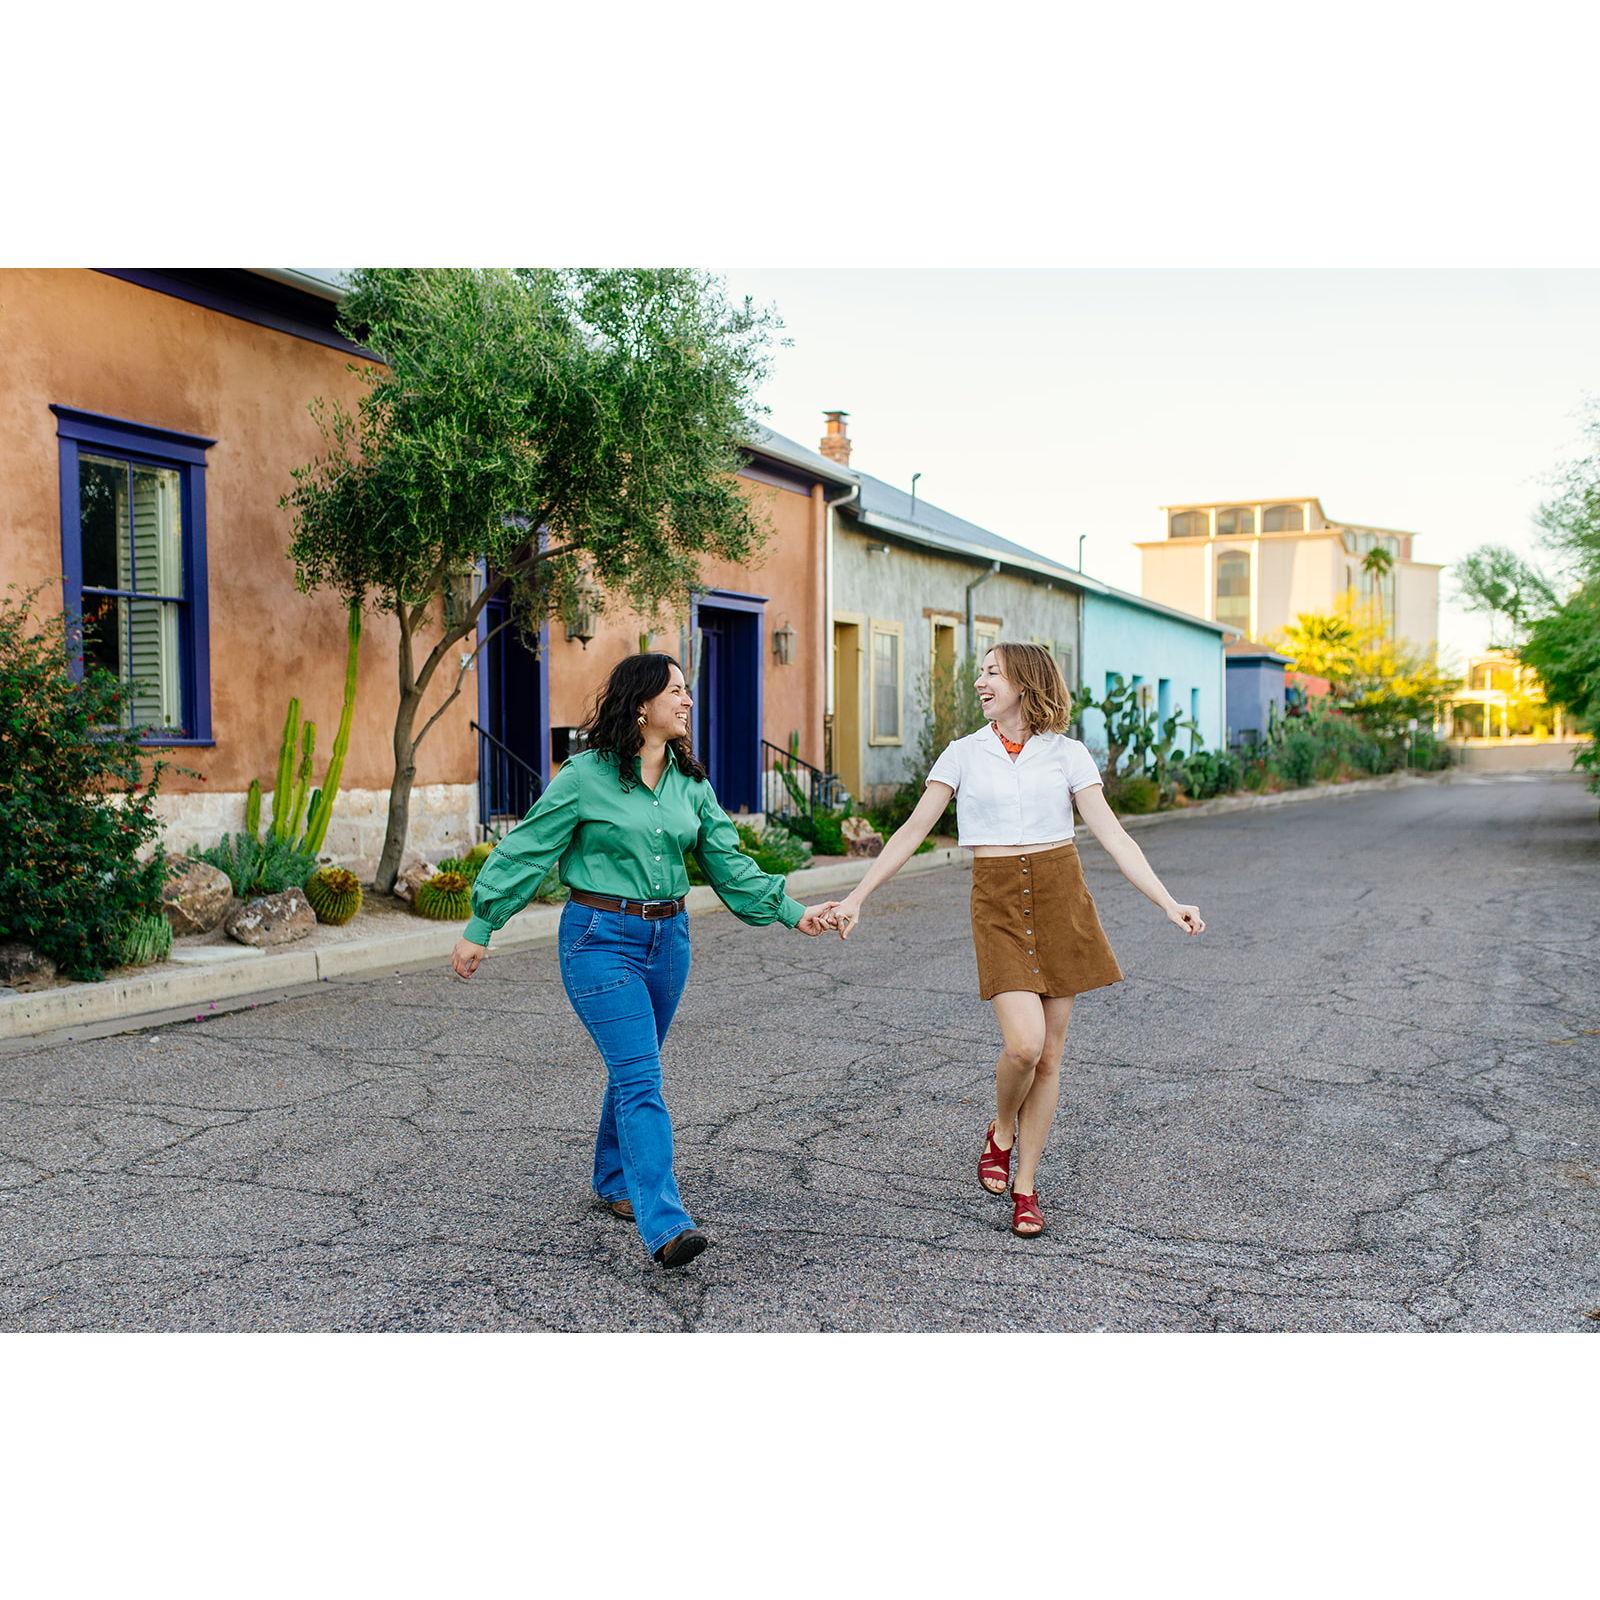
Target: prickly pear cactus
335	895
445	897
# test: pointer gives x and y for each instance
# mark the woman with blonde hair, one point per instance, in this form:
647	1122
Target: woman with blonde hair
1035	931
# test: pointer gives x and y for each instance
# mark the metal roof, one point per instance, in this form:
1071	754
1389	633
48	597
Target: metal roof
774	445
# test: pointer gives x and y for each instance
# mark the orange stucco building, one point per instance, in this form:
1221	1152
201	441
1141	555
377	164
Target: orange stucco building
151	422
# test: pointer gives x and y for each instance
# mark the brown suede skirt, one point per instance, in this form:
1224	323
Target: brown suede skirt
1035	928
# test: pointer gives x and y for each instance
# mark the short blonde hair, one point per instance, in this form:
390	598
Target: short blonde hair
1046	702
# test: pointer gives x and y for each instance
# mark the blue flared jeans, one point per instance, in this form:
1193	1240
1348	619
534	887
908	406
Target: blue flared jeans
624	977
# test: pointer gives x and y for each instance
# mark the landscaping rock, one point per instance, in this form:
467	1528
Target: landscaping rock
196	897
273	919
22	967
862	838
412	877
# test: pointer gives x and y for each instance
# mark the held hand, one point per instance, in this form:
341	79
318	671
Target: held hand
845	916
465	957
816	919
1186	917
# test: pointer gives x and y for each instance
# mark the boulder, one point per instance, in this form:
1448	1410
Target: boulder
22	967
196	897
272	919
862	838
412	877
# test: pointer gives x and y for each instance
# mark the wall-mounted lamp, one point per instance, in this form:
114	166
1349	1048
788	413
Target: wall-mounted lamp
783	644
581	624
461	588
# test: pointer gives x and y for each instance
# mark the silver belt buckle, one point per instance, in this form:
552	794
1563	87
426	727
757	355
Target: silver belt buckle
656	910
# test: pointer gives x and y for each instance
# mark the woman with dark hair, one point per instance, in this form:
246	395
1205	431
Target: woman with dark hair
1035	931
619	817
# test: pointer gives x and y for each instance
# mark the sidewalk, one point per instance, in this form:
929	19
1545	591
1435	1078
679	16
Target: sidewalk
208	977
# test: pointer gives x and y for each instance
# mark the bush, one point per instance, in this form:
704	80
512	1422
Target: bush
823	830
1429	753
1206	773
1136	796
74	814
775	849
1295	760
259	866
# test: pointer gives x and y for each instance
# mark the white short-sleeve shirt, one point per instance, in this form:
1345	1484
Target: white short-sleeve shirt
1026	801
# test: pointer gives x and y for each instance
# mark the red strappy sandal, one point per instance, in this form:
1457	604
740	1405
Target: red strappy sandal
994	1163
1025	1208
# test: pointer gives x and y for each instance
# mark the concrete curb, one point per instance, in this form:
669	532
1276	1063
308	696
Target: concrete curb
142	998
1228	804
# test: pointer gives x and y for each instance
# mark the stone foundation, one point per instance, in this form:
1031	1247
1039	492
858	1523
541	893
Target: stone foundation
444	822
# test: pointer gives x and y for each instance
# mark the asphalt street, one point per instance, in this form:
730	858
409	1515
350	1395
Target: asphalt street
1365	1099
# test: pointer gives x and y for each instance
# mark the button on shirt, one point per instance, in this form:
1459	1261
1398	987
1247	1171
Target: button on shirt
624	842
1026	801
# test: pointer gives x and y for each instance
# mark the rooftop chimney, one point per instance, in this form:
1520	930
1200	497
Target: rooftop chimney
836	441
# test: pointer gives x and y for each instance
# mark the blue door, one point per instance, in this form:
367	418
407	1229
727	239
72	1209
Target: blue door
513	717
728	700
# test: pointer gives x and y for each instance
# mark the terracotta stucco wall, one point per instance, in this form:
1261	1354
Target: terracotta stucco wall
82	339
787	571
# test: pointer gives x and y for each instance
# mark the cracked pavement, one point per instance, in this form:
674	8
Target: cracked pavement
1364	1099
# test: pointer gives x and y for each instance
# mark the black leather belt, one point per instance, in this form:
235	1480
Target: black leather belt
650	910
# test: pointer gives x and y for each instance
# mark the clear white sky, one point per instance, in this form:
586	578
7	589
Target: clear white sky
1045	404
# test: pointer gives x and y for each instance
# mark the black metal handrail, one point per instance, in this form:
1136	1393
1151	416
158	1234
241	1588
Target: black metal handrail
801	786
507	785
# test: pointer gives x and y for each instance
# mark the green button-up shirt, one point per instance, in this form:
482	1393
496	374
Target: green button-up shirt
624	842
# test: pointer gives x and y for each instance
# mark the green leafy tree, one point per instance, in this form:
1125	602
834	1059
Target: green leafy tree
1496	580
571	434
1559	632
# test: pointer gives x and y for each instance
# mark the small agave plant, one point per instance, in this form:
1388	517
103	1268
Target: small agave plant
145	939
445	897
335	895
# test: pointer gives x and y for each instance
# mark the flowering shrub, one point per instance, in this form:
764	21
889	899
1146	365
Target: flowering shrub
75	815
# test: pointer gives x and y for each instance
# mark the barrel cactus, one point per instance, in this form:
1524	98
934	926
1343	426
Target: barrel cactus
143	940
479	853
461	867
335	895
445	897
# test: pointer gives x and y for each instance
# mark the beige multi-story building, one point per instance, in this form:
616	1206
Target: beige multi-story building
1255	565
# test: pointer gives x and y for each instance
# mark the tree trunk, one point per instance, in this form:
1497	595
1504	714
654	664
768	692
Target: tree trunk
405	772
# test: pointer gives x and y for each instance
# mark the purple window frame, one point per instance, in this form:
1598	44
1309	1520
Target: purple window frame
143	445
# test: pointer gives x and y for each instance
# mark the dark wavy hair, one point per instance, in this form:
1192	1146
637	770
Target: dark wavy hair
613	725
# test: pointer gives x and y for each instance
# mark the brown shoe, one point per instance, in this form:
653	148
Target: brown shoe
617	1208
681	1251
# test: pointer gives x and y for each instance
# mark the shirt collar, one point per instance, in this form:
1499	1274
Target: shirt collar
638	763
991	742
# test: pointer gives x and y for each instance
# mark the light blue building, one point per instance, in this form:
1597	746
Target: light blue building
1174	661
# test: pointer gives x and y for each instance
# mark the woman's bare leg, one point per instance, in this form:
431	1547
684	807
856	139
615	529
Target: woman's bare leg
1038	1109
1022	1027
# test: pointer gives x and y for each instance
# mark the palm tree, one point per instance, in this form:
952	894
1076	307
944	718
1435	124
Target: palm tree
1377	563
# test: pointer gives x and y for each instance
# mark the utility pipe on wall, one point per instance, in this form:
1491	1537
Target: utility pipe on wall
983	577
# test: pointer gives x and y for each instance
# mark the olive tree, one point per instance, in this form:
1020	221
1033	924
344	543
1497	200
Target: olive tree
570	435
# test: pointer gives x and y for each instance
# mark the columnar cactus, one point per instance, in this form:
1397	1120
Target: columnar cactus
335	895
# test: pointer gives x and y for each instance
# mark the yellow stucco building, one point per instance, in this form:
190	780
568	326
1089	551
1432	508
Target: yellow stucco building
1256	565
